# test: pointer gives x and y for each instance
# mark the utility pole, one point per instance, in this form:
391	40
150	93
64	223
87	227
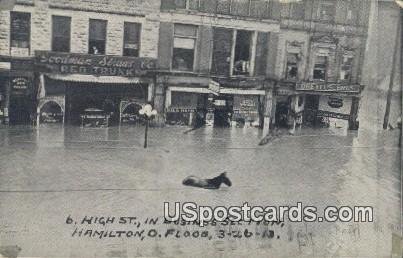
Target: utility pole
393	73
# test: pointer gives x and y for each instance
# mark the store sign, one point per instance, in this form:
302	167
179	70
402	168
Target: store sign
332	115
100	65
180	110
214	87
220	102
331	87
20	84
335	102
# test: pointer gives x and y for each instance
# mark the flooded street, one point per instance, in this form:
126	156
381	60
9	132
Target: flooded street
50	173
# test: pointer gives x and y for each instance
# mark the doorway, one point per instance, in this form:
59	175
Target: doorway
19	111
311	108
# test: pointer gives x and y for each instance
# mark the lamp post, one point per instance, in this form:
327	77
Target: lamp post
148	112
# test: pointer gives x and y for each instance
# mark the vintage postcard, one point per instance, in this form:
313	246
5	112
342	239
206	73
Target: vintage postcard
201	128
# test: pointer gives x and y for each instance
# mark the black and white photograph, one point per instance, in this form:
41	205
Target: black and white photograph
201	128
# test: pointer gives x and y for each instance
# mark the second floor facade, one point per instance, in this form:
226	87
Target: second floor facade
122	28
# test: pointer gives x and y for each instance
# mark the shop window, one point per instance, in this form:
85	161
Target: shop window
61	26
184	47
346	68
131	44
319	70
292	66
97	37
326	11
20	32
242	57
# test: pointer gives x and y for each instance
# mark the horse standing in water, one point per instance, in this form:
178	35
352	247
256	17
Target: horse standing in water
213	183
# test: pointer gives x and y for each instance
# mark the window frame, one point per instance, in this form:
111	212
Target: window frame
53	36
351	66
296	65
325	69
140	28
252	53
89	33
12	15
320	11
195	38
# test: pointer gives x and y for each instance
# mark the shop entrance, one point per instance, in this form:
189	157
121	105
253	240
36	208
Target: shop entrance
223	111
19	111
311	108
104	98
282	110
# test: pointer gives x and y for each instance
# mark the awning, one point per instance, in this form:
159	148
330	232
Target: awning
221	91
95	79
241	91
190	89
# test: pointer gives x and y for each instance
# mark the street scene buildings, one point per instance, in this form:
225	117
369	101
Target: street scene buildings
106	106
224	63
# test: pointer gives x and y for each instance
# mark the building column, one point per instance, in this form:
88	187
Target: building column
353	125
7	102
159	100
267	111
294	105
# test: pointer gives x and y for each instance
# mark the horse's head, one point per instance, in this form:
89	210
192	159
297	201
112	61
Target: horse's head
225	179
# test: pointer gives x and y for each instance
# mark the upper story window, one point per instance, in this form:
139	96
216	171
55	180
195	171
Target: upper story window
326	10
61	26
297	10
292	66
232	52
20	33
242	55
131	41
185	37
97	37
320	67
245	8
352	11
346	68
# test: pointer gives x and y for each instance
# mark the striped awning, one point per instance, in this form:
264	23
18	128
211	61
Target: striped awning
95	79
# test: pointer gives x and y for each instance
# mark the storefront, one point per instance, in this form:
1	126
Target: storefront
4	85
332	105
316	104
17	95
213	104
76	87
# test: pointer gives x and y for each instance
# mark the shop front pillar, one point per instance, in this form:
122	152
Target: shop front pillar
293	122
353	123
7	103
159	101
267	112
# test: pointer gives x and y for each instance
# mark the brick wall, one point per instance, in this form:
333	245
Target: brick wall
115	12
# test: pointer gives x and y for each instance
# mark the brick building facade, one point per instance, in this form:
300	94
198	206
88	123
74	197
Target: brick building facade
318	64
123	34
239	62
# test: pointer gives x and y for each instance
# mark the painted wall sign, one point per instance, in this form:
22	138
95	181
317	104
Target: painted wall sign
330	87
332	115
101	65
335	102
